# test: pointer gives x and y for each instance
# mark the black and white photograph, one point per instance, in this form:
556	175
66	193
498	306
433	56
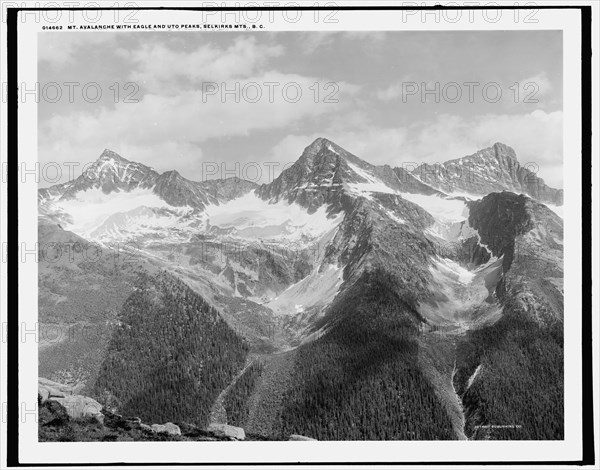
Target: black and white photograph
249	227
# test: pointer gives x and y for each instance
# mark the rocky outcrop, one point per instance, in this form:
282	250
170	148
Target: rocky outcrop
227	188
529	236
80	407
76	406
168	428
48	388
225	430
179	191
499	218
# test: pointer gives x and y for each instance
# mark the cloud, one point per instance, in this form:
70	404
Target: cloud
372	36
538	84
396	90
536	89
393	92
60	48
161	69
311	41
316	41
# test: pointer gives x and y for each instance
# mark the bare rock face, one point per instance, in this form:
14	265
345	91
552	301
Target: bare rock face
179	191
168	428
297	437
530	237
225	430
499	218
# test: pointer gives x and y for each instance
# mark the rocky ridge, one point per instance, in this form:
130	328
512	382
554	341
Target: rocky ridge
489	170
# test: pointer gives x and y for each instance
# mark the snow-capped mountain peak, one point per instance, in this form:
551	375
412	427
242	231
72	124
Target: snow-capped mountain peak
488	170
109	156
112	172
326	173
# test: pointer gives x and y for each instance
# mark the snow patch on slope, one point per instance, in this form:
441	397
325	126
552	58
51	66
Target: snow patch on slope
317	289
373	184
144	221
91	208
454	270
474	376
460	297
442	209
250	217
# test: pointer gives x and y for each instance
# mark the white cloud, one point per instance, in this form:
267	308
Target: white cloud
158	68
538	84
60	48
311	41
315	41
393	92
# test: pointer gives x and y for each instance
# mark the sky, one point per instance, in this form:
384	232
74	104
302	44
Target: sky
223	103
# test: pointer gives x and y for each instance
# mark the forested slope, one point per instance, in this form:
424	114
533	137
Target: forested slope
518	391
171	355
361	380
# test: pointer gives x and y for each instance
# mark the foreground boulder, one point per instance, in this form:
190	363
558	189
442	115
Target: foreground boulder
297	437
48	389
168	428
80	407
225	430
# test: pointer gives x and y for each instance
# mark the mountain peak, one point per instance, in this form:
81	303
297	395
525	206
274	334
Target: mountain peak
501	149
319	144
171	174
111	172
493	169
108	154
